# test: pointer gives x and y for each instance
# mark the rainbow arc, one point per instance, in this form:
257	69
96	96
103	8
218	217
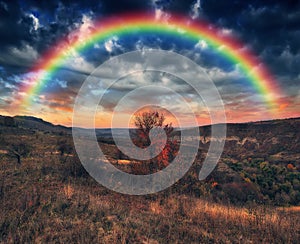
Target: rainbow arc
226	45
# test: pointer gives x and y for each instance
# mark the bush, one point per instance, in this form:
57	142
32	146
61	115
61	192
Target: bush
72	167
64	147
19	150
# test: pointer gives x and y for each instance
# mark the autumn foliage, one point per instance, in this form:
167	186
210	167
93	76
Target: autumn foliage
146	122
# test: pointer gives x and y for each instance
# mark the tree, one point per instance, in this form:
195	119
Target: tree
19	150
64	147
147	121
15	148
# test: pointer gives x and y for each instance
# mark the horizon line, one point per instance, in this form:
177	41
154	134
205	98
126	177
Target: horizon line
184	127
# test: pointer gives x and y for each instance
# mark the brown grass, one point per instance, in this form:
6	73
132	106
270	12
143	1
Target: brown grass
40	202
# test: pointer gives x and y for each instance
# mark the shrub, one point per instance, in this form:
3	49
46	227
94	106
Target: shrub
72	167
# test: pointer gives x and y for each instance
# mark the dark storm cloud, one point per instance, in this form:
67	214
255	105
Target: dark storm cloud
50	7
29	28
176	6
262	24
14	25
117	7
38	25
270	28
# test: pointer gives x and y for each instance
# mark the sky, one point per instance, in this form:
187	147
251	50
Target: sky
29	29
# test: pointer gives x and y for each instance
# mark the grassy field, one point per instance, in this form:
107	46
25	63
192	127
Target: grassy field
50	198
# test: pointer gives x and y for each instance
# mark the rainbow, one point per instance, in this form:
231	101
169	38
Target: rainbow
228	47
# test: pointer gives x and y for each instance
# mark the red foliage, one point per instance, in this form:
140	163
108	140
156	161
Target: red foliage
145	123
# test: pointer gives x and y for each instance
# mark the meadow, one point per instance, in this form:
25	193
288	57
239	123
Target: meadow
49	197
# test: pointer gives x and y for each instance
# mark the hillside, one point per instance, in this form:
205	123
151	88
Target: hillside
247	198
30	124
260	161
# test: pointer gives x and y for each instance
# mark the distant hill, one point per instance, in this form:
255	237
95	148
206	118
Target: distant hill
285	132
38	124
31	123
261	139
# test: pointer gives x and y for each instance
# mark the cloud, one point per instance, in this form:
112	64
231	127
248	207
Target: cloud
201	44
218	74
6	88
196	9
29	28
4	5
111	44
36	23
22	57
83	28
77	63
226	31
159	7
161	15
25	53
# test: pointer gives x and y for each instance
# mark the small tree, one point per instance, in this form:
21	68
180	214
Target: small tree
64	147
19	150
147	121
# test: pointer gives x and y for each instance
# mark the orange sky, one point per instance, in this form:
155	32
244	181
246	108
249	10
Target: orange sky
104	119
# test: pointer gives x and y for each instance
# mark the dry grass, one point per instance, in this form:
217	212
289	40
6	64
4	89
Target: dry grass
43	200
75	212
295	209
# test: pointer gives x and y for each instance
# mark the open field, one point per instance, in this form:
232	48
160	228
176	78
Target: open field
49	197
48	204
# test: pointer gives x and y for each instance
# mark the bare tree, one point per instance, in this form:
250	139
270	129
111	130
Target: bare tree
19	150
147	121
